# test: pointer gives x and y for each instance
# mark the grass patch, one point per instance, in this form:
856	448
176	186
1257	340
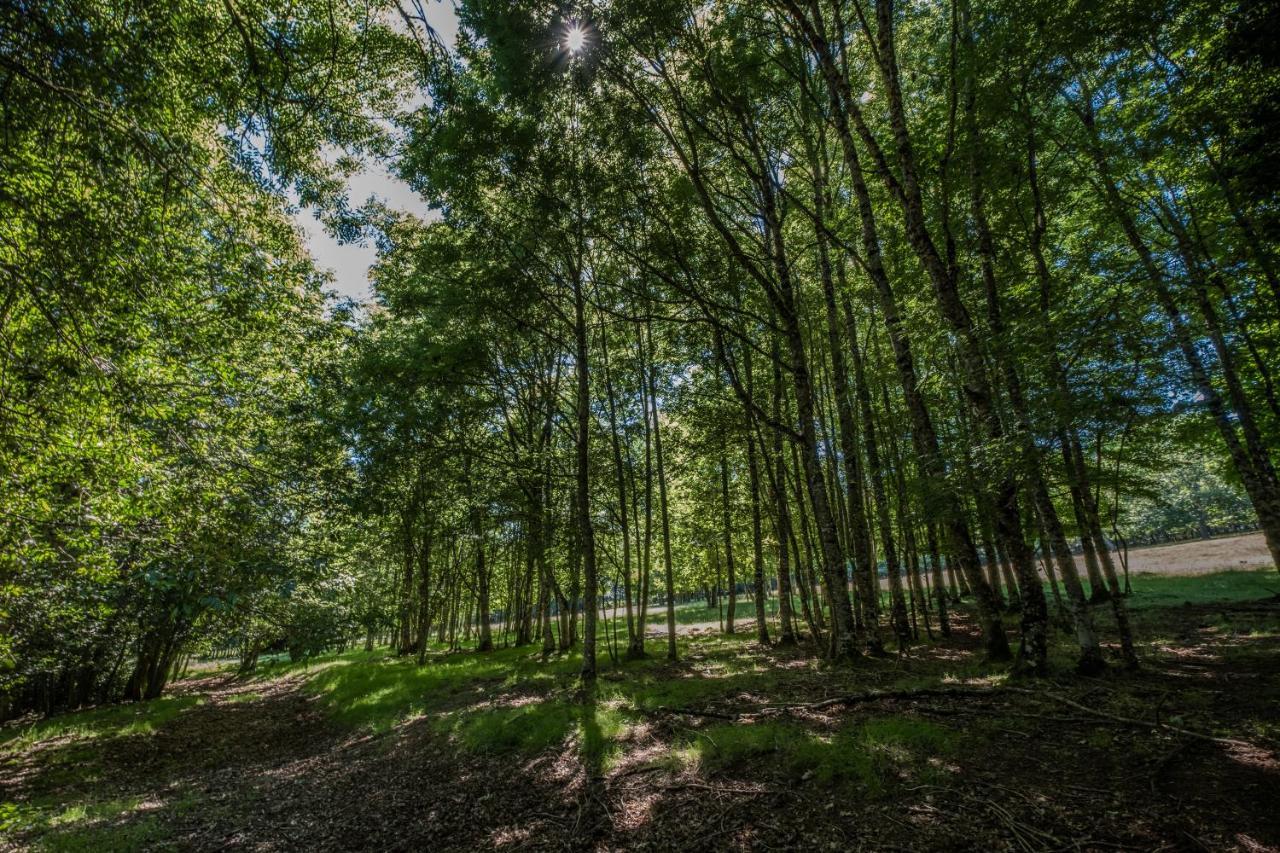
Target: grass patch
1152	590
130	823
535	727
244	698
871	755
377	696
528	729
113	721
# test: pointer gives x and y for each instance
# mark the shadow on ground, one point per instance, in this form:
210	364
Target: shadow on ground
733	747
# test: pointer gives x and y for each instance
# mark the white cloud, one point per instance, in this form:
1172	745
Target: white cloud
350	262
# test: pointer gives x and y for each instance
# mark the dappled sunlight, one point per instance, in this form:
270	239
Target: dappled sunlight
117	721
636	809
947	654
506	751
992	680
1254	757
564	768
1252	845
1197	654
510	836
125	823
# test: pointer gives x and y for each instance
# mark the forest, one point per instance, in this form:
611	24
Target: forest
786	424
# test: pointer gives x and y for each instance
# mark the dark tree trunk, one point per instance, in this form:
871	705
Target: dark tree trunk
731	578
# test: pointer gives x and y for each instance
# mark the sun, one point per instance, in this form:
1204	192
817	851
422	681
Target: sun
575	39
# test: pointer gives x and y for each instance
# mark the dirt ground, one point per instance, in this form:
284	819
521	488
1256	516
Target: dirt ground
1179	756
1199	556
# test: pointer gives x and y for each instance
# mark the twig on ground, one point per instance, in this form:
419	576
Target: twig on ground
680	786
883	695
636	771
1129	721
693	712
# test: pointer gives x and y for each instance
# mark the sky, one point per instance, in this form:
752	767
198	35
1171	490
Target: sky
350	262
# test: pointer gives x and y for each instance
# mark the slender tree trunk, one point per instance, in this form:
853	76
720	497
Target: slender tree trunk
485	641
1091	660
731	575
424	596
405	619
582	445
939	584
805	561
757	542
623	524
859	532
646	565
666	526
924	437
1252	463
844	639
782	517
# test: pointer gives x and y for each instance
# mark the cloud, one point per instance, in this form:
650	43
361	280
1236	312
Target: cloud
350	262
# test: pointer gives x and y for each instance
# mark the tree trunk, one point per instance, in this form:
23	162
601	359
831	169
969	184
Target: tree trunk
667	568
859	532
924	437
757	542
783	514
731	575
622	495
582	446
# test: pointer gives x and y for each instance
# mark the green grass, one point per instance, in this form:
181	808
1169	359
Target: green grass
376	697
244	698
129	823
1151	590
509	701
527	729
694	612
376	692
113	721
871	755
510	704
536	727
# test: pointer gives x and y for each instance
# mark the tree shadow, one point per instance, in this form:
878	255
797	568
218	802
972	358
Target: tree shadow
593	813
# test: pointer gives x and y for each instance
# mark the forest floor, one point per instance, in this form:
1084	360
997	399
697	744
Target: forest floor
735	746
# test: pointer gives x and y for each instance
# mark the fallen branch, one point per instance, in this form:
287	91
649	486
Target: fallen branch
883	695
1130	721
693	712
636	771
847	699
719	789
966	692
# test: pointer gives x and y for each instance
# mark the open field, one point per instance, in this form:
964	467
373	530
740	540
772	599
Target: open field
735	746
1199	556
